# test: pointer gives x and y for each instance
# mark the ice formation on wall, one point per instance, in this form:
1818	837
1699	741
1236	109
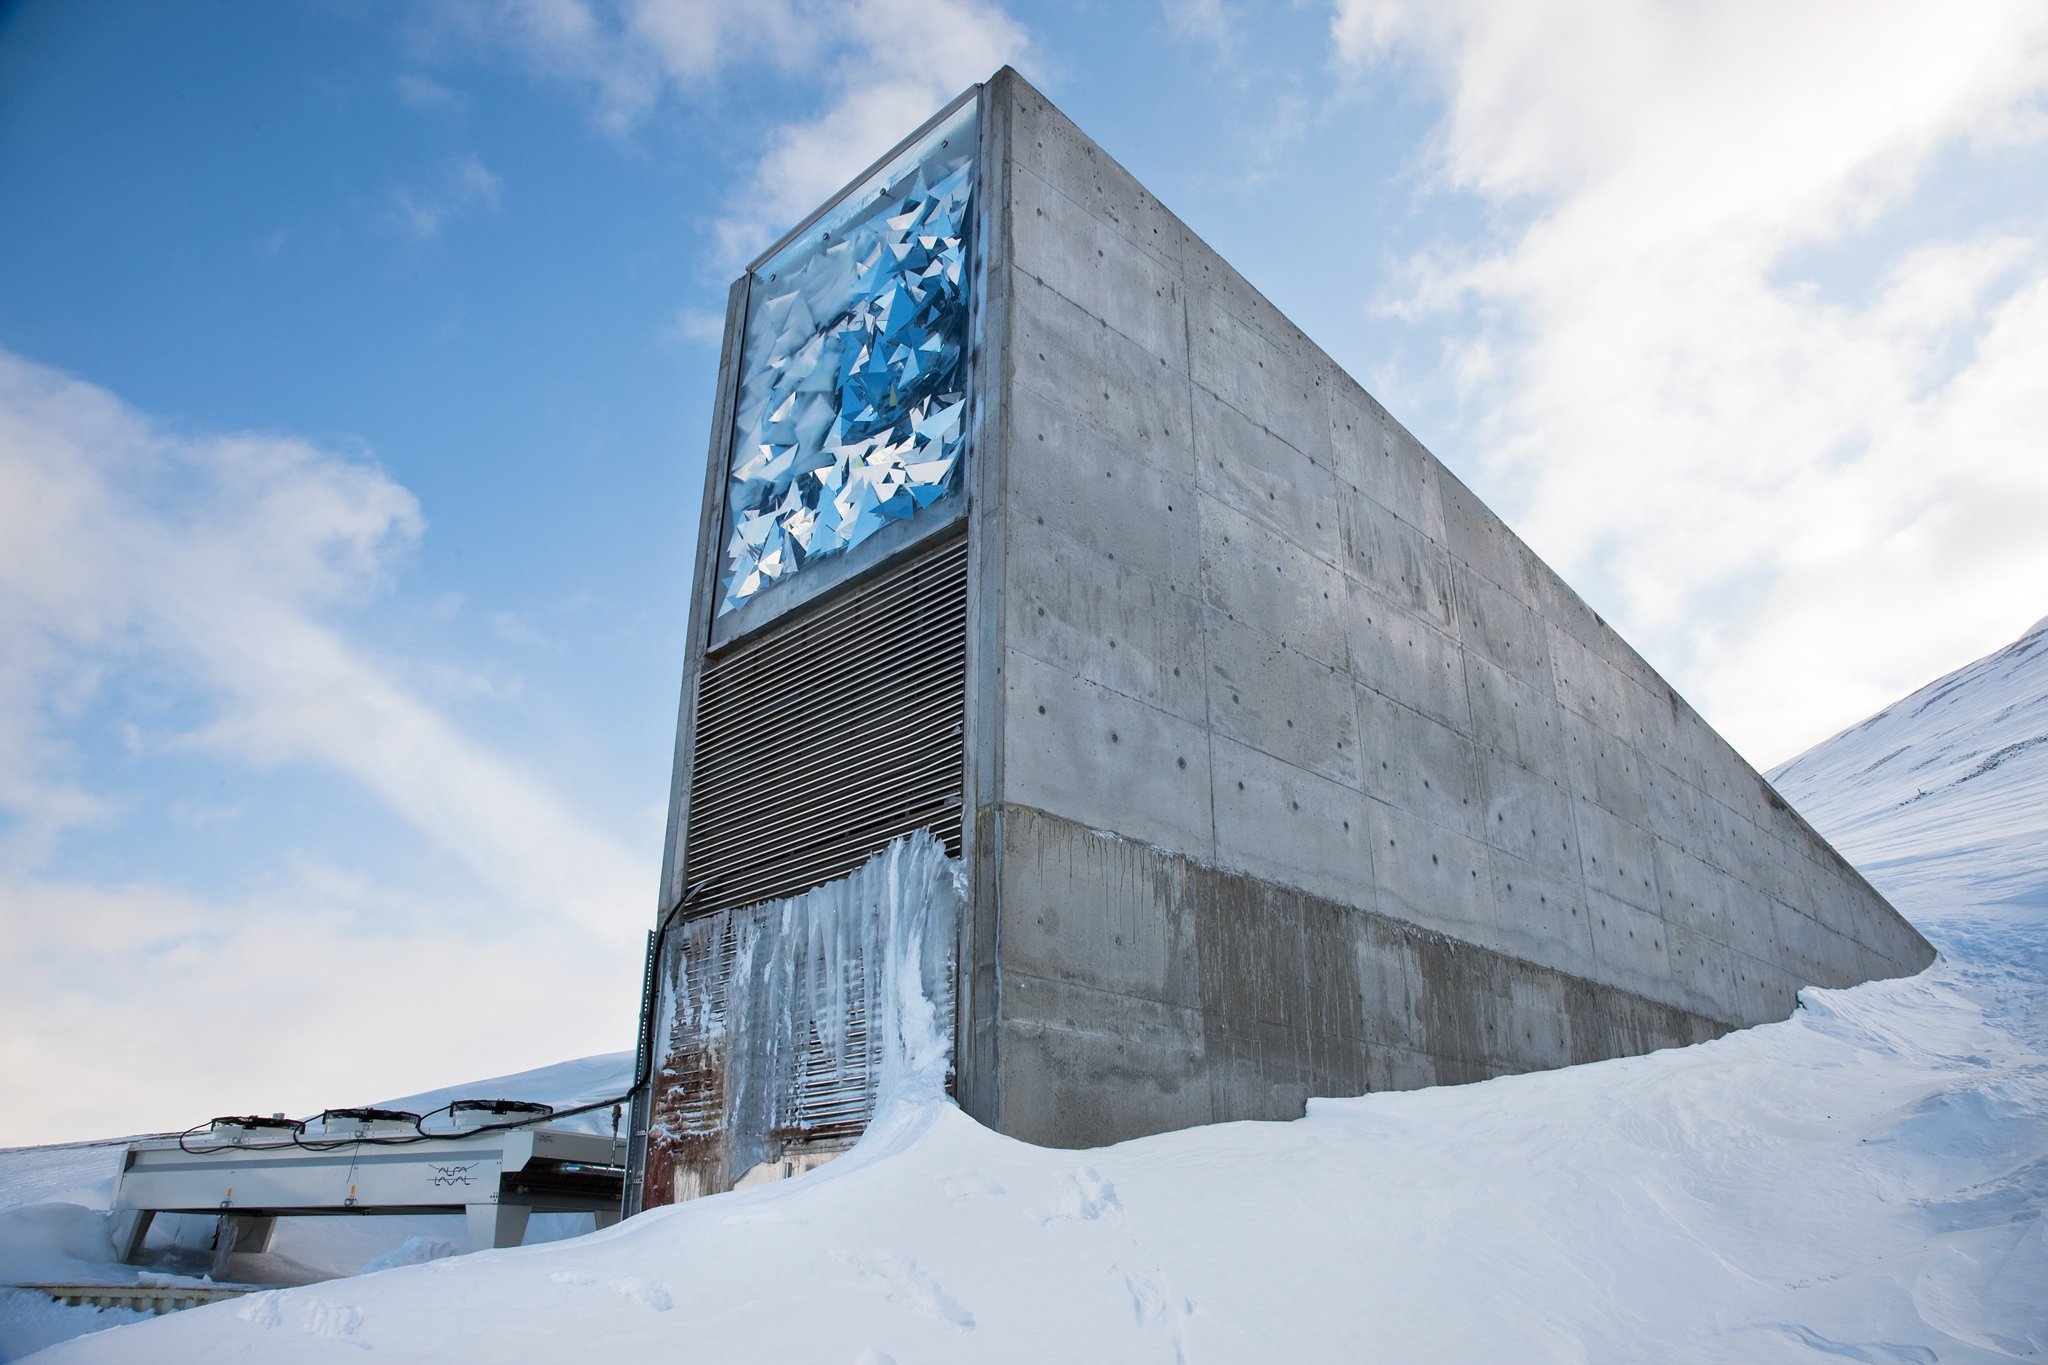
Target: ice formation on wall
791	1021
852	388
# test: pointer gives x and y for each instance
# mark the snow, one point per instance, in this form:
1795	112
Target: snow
565	1085
412	1251
30	1321
1865	1181
1938	797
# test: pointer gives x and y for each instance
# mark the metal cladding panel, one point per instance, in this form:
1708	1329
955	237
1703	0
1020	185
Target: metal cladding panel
820	742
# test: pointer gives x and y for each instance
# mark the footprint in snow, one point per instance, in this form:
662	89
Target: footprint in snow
967	1184
336	1322
651	1293
1088	1196
1158	1309
908	1283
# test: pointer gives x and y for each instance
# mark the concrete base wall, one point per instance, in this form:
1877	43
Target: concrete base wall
1145	991
1229	609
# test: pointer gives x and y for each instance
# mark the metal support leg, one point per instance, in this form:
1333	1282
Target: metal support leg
254	1237
130	1226
497	1225
238	1232
226	1233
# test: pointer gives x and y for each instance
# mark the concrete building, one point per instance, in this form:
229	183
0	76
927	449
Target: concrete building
1276	764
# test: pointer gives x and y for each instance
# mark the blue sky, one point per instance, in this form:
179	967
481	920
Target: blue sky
355	367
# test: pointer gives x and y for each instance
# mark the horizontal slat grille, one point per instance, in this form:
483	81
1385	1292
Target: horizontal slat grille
821	742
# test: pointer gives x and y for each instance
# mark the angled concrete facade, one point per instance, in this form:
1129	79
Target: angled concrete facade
1287	769
1305	775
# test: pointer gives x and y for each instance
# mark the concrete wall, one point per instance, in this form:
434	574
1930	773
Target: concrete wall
1296	771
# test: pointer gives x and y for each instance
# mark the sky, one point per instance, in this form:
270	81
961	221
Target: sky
355	373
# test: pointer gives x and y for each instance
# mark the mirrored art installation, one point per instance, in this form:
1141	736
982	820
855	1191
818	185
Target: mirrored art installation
852	392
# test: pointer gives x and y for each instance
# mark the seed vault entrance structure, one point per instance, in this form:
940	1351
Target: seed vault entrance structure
1273	764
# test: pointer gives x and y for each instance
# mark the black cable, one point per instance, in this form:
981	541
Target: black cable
645	1069
297	1126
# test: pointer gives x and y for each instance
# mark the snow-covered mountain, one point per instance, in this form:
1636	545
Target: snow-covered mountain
1868	1180
1944	787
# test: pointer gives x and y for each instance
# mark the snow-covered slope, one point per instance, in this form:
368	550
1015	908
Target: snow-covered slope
1944	788
1866	1181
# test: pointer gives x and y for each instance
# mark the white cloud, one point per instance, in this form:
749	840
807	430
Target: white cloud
1800	501
1204	21
697	325
223	569
424	95
460	185
223	562
514	630
873	100
131	1007
626	56
568	40
692	39
868	71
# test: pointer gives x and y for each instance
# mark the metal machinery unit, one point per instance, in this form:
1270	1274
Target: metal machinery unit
251	1172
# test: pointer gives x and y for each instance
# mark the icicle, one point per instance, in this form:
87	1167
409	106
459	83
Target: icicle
835	1002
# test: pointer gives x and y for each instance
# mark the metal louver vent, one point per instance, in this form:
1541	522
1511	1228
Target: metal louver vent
823	740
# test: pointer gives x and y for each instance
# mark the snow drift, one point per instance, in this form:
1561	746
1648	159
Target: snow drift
1866	1181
